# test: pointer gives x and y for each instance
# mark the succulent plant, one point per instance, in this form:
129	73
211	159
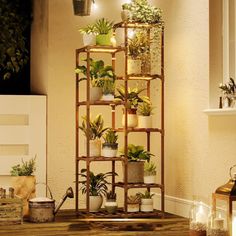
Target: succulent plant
110	136
103	26
146	195
145	109
149	168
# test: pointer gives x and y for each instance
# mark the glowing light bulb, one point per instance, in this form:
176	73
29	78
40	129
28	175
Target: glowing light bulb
94	7
131	33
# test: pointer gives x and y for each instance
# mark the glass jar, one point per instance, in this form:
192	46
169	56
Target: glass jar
198	219
217	223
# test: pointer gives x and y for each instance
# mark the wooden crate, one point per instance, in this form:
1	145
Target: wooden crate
11	210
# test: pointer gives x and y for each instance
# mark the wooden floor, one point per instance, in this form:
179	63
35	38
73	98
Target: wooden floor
68	224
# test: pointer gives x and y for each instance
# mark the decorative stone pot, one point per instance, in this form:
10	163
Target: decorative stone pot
132	118
144	121
89	39
109	149
24	188
82	7
107	97
149	178
111	206
95	94
134	66
104	39
95	203
146	205
94	147
135	171
125	15
134	207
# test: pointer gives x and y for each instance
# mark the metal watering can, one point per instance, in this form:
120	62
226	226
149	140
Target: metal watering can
42	209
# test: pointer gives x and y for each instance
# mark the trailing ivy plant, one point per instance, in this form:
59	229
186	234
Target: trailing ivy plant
15	18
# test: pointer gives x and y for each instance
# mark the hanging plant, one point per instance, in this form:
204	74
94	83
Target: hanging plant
82	7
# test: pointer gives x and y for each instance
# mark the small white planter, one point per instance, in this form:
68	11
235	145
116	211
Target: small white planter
107	97
133	207
89	39
109	152
149	179
94	147
95	203
95	94
125	15
145	122
132	118
146	205
134	66
111	206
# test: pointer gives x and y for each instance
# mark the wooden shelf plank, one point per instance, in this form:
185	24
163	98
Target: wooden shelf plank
148	130
101	158
146	77
137	25
100	49
99	103
138	185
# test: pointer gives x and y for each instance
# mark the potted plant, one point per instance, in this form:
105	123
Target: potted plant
82	7
104	32
97	188
144	115
125	13
89	35
229	93
111	204
149	172
135	167
133	99
138	52
133	203
23	181
146	201
110	145
94	132
108	89
98	72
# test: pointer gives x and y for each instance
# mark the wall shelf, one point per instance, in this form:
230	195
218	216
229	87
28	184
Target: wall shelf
220	112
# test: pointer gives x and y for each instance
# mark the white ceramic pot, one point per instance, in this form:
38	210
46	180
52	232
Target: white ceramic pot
149	179
146	205
107	97
132	118
134	66
125	15
95	94
111	206
95	203
132	207
109	151
144	121
89	39
94	147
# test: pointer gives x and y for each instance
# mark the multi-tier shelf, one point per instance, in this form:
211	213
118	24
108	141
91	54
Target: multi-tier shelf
148	78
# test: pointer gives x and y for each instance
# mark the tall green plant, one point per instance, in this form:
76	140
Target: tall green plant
103	26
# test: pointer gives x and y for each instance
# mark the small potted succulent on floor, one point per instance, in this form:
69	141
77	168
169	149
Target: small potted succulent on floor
108	89
24	181
133	99
229	93
111	204
133	203
104	32
89	35
145	115
98	73
94	132
149	172
97	188
146	201
110	145
136	156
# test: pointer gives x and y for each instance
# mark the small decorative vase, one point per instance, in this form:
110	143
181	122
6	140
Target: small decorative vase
144	122
111	206
146	205
232	101
89	39
134	66
109	149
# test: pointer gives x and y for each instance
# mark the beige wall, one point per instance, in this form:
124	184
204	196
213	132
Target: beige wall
199	150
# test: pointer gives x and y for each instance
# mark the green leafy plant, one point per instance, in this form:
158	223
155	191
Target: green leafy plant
98	71
108	86
95	129
150	168
134	199
110	136
26	169
138	45
111	195
142	12
98	183
146	195
145	109
137	153
228	88
133	96
89	29
103	26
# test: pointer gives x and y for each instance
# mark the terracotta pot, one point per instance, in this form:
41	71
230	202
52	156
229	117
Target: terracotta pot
135	171
145	122
134	66
132	118
146	205
95	94
24	188
95	203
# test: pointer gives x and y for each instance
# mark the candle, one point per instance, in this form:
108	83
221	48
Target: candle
200	216
218	223
234	227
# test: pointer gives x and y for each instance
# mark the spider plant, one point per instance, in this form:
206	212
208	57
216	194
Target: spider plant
103	26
